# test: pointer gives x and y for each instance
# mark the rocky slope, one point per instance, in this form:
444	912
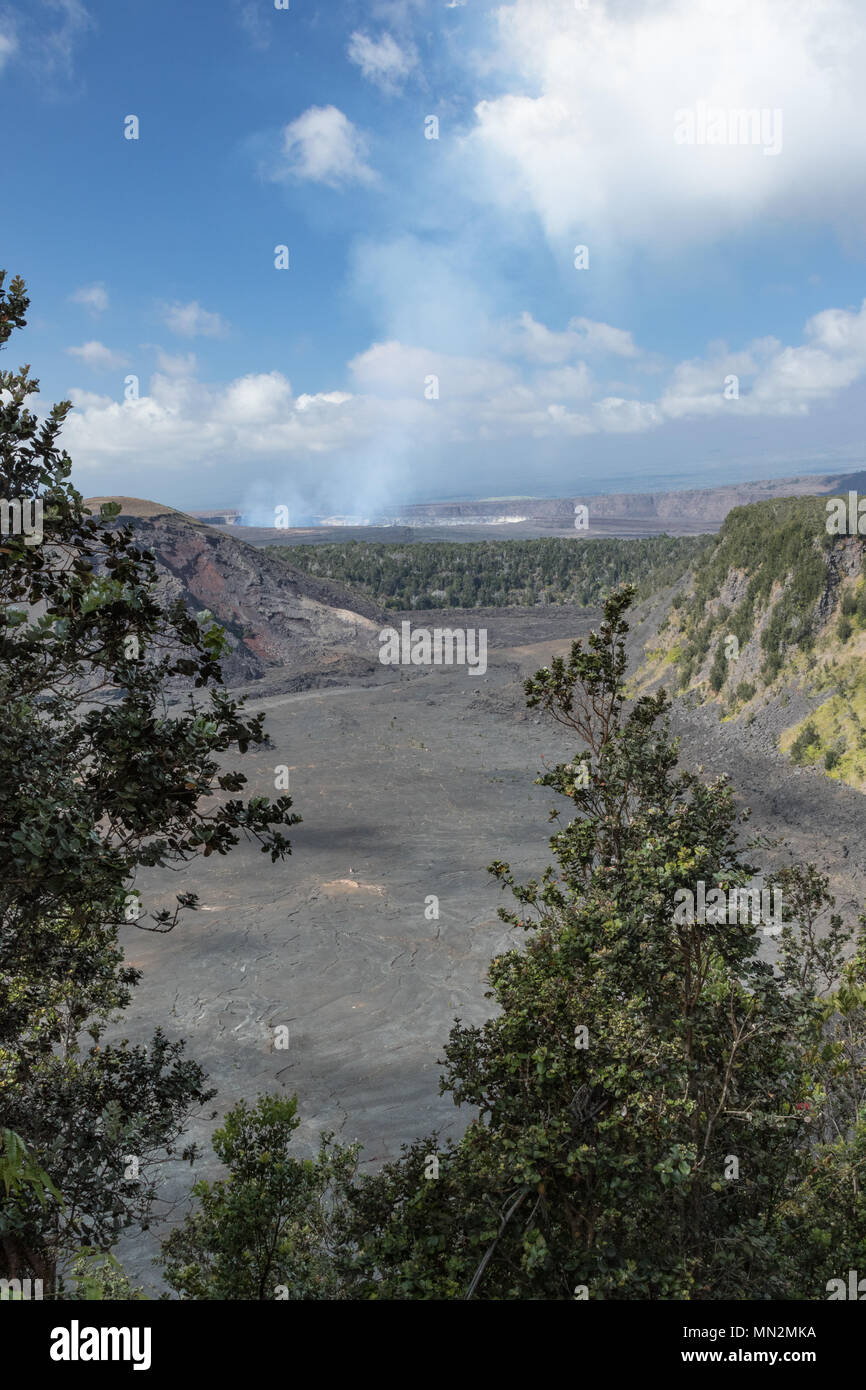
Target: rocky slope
292	628
770	632
705	507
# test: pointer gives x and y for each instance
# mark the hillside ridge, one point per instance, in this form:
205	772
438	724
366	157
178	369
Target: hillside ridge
281	622
769	627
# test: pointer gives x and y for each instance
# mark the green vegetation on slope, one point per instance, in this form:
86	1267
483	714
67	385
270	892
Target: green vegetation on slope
492	574
834	735
780	543
791	596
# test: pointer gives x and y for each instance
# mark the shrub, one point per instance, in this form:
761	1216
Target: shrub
807	739
719	669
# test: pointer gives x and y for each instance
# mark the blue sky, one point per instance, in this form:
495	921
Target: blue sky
432	336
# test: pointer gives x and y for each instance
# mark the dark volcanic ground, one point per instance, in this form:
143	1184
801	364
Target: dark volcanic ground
409	785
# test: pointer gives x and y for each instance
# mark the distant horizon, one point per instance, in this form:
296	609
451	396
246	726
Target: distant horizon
628	484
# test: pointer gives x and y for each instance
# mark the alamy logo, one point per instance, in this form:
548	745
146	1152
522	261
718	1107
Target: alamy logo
22	518
76	1343
743	905
856	1288
846	520
443	646
713	125
20	1288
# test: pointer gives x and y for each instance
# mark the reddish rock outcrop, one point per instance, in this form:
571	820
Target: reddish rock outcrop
277	618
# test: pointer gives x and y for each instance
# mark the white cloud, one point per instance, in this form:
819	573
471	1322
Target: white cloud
93	297
251	19
257	399
324	146
566	383
583	337
8	46
180	364
48	52
839	330
97	356
533	340
395	369
192	321
336	443
601	338
696	386
799	376
252	428
774	379
382	61
305	402
617	416
582	135
60	43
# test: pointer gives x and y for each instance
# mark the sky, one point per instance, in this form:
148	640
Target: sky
544	247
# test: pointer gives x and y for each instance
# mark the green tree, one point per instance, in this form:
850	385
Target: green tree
19	1175
267	1230
719	669
807	740
101	778
651	1099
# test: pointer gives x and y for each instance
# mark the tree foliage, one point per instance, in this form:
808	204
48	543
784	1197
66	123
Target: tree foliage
267	1230
488	574
659	1112
102	777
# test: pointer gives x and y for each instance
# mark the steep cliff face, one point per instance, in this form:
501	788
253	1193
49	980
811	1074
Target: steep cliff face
708	506
770	629
277	618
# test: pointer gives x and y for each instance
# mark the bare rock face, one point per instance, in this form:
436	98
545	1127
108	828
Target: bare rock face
277	618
